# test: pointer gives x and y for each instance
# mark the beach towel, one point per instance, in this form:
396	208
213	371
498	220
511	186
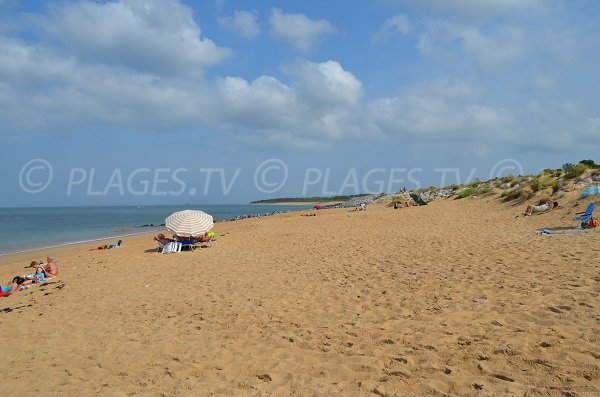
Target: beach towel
592	191
173	246
549	231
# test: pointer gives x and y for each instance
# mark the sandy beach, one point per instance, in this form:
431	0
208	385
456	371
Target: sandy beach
458	298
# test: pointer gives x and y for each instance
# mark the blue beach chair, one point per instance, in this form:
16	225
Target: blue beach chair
187	245
585	216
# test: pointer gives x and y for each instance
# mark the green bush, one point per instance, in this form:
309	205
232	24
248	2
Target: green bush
542	183
589	164
521	193
508	179
467	192
475	183
574	171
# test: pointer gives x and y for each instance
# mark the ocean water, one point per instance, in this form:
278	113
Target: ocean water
24	229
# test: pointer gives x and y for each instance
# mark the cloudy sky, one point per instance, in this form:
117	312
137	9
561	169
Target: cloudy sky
172	101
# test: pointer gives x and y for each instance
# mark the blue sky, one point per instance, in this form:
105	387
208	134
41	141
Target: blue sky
172	101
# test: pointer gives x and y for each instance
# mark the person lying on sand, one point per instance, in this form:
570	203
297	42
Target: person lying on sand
16	285
205	238
163	240
548	205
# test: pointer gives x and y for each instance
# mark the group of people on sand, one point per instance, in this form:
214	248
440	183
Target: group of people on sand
398	205
360	207
203	238
40	274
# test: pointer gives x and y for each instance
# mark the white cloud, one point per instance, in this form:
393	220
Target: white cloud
46	92
319	106
396	24
490	51
495	50
297	29
244	23
264	103
425	44
160	36
442	109
327	84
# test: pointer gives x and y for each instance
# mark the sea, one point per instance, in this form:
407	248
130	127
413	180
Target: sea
26	229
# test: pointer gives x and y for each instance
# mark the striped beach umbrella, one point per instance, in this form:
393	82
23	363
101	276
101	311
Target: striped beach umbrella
189	223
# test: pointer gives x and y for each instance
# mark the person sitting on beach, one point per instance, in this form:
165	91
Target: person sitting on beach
40	272
163	240
548	205
50	270
16	285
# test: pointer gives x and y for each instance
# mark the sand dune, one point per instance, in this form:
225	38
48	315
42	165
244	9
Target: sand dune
458	298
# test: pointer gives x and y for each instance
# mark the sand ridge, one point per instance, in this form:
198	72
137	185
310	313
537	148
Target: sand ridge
458	298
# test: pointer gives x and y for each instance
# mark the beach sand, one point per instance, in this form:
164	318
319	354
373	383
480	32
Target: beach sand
458	298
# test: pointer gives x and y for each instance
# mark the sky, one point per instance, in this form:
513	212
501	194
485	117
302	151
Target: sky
133	102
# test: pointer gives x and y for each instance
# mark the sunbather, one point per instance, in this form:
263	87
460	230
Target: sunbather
548	205
205	238
163	240
15	285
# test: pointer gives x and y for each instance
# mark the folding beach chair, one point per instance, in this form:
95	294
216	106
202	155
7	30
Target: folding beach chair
173	246
585	216
117	245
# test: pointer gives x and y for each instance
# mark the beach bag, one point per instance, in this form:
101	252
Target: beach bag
590	224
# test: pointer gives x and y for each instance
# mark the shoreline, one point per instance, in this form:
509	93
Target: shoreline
61	249
70	247
299	203
58	244
65	244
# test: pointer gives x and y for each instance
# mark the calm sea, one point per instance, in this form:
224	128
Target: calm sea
24	229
